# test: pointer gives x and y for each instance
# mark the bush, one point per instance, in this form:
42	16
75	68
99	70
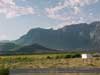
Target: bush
72	56
4	71
76	55
48	57
59	57
68	56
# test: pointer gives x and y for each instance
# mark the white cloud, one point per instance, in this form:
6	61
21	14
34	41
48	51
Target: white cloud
52	14
74	11
74	5
10	9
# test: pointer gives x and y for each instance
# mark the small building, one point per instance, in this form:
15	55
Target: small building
86	56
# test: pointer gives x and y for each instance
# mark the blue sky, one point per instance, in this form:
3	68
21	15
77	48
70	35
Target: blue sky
19	16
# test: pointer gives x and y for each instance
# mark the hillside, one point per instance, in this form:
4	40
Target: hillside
34	48
13	49
7	46
69	37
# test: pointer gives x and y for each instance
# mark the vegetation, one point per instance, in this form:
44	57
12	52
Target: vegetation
4	71
53	60
61	60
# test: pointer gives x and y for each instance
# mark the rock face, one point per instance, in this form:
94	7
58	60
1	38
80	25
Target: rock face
69	37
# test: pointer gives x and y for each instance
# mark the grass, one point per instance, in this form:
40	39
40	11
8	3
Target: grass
62	60
61	74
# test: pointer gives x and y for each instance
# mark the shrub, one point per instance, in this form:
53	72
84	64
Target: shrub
76	55
48	57
4	71
68	56
59	57
72	55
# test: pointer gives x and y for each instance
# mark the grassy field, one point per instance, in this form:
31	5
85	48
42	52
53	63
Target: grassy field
47	61
62	74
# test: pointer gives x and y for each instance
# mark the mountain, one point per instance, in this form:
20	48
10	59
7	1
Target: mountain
74	36
34	48
7	46
13	49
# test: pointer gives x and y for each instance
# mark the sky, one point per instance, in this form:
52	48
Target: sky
17	17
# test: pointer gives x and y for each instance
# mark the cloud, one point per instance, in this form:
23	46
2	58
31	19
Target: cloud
72	5
52	14
74	12
10	9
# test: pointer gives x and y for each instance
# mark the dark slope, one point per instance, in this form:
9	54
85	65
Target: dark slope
34	48
7	46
